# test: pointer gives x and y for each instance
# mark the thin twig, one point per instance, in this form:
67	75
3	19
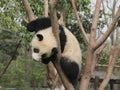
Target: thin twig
81	28
109	30
9	62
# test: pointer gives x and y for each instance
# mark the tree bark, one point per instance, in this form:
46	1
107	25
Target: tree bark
109	30
115	51
80	23
9	62
90	53
54	21
46	8
28	10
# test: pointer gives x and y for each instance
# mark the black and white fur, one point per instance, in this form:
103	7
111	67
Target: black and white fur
44	47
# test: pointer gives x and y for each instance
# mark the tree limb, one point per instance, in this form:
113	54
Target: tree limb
55	28
46	8
94	23
110	29
81	28
96	53
28	10
9	62
115	51
90	53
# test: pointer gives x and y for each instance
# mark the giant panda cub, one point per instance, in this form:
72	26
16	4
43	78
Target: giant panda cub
44	47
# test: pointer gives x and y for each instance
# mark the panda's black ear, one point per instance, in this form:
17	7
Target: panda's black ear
40	37
33	26
38	24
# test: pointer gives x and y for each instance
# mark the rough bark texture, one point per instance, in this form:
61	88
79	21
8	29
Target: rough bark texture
67	84
79	22
109	30
28	10
115	51
90	53
93	45
9	62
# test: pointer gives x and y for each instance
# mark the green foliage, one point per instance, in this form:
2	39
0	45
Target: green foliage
17	76
104	56
10	15
12	30
8	43
37	7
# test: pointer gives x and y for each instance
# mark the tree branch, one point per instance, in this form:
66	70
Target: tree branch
55	28
96	53
46	8
115	51
62	18
81	28
94	23
4	70
110	29
90	53
28	10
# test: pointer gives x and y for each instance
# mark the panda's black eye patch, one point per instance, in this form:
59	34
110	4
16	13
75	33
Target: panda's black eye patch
36	50
40	37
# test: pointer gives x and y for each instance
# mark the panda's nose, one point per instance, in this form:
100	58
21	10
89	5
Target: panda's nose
36	50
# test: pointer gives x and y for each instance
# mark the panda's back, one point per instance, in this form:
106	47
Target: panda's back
72	49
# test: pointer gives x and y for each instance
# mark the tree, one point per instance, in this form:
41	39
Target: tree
93	47
12	13
14	42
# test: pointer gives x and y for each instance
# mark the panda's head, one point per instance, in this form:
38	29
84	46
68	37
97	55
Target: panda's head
43	41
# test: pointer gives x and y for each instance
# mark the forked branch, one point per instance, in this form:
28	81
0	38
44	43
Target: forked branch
109	30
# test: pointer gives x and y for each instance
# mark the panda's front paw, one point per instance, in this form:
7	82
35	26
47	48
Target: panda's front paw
54	51
54	54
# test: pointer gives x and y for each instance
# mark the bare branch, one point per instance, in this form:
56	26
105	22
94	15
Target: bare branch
88	62
110	29
104	12
9	62
62	19
115	51
81	28
52	79
54	22
96	53
95	21
28	10
107	1
55	28
46	8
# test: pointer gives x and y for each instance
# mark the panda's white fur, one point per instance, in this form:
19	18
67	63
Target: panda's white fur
71	54
45	46
71	50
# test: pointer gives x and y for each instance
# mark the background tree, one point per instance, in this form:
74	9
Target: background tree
12	30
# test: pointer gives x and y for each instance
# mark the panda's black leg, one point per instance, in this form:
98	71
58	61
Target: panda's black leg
71	70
